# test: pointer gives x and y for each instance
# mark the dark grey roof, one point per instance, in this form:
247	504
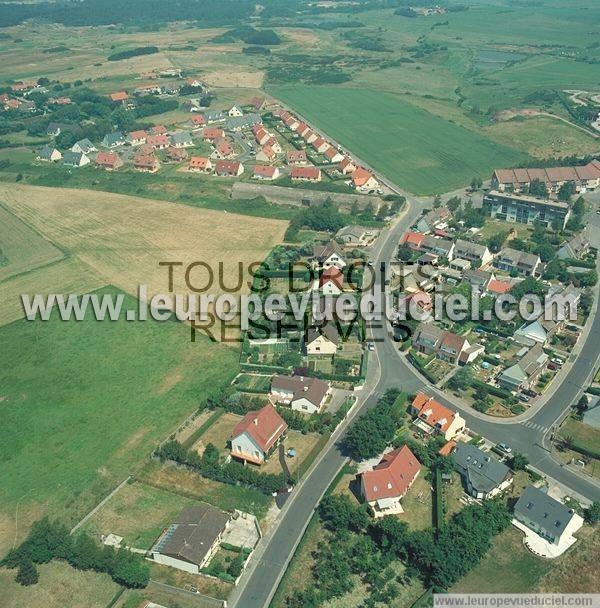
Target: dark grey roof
483	472
181	137
328	330
193	534
72	158
112	138
547	513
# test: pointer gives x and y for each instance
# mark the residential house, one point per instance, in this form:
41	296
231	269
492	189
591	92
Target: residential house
257	435
427	338
48	154
550	519
197	121
347	166
274	144
182	139
258	103
483	475
459	264
442	247
329	255
119	97
176	155
261	135
147	89
515	261
75	159
301	393
158	142
478	278
234	111
586	177
540	331
305	174
108	160
496	288
200	164
525	209
54	129
434	220
265	172
354	235
302	129
112	140
194	83
309	136
331	281
320	145
296	157
212	134
147	163
473	252
85	146
159	130
363	180
266	154
239	123
384	486
223	148
448	346
322	340
213	117
137	138
525	373
229	168
412	240
576	247
189	543
291	122
434	418
333	155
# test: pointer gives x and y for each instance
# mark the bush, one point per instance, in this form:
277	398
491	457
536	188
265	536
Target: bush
140	50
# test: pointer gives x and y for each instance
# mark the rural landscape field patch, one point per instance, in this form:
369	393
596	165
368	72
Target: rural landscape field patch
419	151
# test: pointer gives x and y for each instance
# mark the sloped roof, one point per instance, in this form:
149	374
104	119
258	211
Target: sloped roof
483	472
392	476
432	411
547	513
312	389
328	330
265	426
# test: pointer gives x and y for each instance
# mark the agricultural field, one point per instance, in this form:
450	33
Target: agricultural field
109	392
59	586
90	227
417	150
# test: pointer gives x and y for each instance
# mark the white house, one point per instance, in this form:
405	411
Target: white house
322	340
301	393
234	112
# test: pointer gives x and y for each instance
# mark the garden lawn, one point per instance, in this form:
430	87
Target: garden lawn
108	392
420	152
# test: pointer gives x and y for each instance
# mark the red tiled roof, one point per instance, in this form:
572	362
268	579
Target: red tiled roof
264	170
230	167
159	129
432	412
198	119
496	286
305	173
158	140
345	162
453	341
393	476
447	448
224	147
265	426
107	159
268	152
213	133
119	96
146	161
199	162
141	134
295	156
332	274
361	176
413	238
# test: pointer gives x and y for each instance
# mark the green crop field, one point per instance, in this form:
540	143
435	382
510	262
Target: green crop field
415	149
87	403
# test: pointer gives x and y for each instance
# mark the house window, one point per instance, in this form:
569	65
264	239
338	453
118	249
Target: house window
305	407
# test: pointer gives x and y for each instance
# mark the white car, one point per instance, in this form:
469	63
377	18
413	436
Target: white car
557	361
371	346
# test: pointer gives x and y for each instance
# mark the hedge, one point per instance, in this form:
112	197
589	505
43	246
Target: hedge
593	390
582	449
415	361
492	390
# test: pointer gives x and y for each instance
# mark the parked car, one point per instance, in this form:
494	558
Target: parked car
505	448
523	398
557	360
529	392
371	346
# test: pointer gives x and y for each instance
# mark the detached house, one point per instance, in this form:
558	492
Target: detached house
483	475
525	373
265	172
329	255
200	164
363	180
305	174
551	520
266	154
331	281
197	121
113	140
301	393
296	157
176	155
513	260
48	154
183	139
147	163
320	145
333	156
322	340
85	146
119	97
234	111
137	138
75	159
576	248
434	418
387	483
257	435
223	148
108	160
347	166
158	142
229	168
212	134
430	339
433	220
473	252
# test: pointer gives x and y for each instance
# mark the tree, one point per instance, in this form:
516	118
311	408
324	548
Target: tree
566	191
496	241
519	462
462	379
27	574
437	202
454	204
130	570
538	188
592	513
476	183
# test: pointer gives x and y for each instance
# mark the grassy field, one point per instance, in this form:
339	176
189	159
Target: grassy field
59	586
582	433
120	240
138	513
107	393
417	150
16	259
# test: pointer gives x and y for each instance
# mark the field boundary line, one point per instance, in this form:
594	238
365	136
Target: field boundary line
82	521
